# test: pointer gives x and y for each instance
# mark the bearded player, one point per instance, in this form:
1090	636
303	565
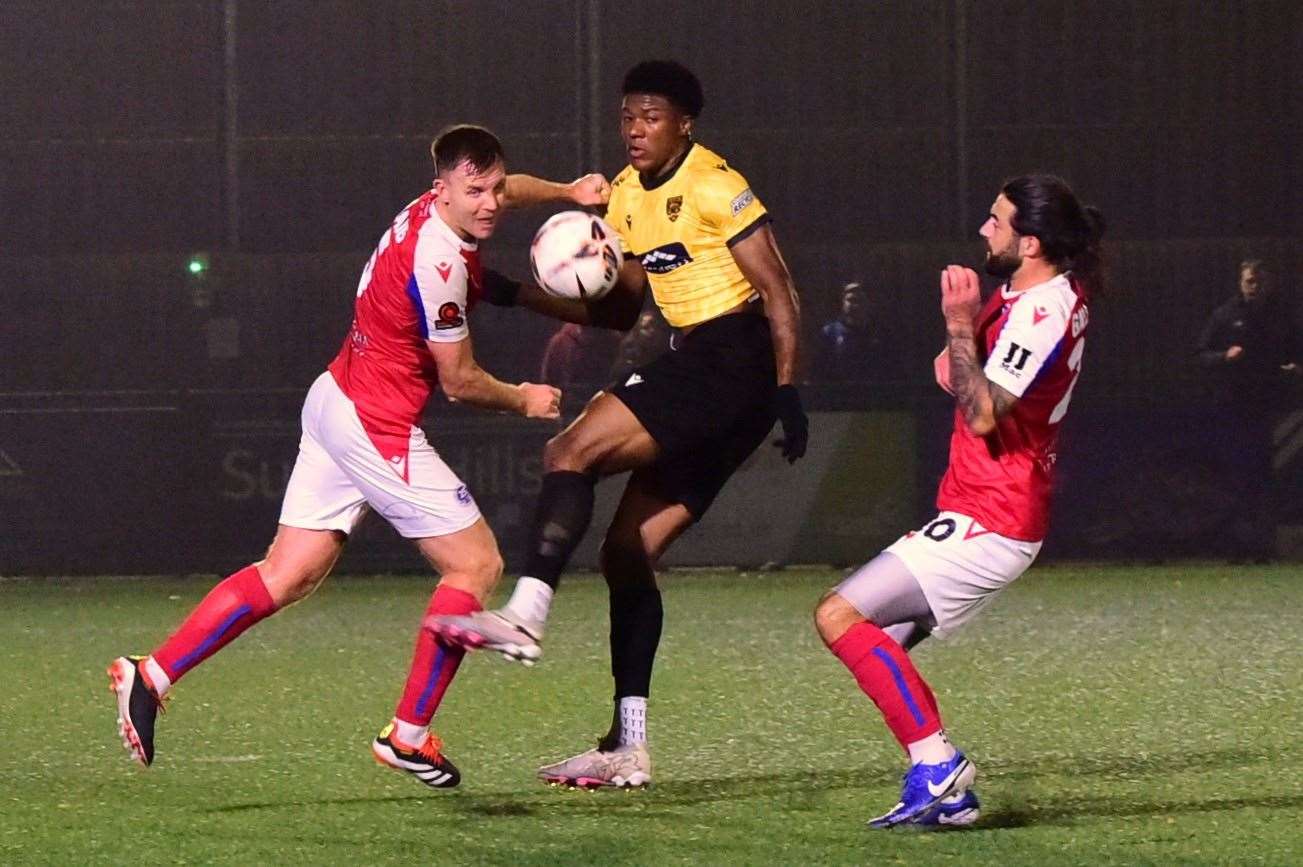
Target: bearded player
1011	364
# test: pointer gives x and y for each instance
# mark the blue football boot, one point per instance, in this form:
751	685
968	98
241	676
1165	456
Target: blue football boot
924	787
956	811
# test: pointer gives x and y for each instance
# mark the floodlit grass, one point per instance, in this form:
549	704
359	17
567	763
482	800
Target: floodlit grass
1116	714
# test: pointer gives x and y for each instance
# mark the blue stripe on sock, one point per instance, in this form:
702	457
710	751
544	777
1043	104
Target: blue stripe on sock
195	655
900	683
439	658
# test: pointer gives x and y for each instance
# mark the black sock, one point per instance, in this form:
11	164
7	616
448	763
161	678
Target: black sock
565	509
636	618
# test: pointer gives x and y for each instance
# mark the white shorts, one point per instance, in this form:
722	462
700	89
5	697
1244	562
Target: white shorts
961	566
340	472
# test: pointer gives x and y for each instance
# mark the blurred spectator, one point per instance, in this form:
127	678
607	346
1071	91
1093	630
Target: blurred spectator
850	347
1251	343
1250	347
648	339
578	360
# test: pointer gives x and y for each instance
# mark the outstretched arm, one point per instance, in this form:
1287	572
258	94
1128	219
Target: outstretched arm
980	400
618	309
590	191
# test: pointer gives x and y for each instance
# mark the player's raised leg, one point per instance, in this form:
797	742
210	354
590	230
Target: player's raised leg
606	438
644	526
296	564
851	620
470	566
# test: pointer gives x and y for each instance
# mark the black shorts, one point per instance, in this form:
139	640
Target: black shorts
708	403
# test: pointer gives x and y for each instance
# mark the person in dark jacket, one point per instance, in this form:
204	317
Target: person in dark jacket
1250	347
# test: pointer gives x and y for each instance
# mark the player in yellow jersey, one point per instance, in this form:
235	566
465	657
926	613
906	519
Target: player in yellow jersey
694	230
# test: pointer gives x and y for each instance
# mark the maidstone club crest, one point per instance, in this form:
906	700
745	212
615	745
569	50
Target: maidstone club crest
673	205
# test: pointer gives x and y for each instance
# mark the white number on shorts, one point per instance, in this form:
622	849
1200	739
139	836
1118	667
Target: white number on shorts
940	529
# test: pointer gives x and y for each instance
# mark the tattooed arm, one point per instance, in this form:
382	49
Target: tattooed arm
980	400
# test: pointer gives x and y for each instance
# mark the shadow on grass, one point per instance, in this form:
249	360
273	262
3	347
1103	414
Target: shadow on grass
667	799
1066	811
315	802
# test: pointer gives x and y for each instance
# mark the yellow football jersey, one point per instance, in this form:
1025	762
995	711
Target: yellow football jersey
681	230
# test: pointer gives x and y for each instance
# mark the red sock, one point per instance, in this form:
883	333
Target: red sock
433	664
231	607
884	671
931	699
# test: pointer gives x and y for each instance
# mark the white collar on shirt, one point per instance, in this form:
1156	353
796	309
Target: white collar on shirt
1058	281
447	231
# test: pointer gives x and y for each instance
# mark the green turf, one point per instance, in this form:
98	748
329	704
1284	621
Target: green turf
1117	715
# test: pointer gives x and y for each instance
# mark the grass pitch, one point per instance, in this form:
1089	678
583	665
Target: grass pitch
1116	715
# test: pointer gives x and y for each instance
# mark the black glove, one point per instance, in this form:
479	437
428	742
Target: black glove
796	425
499	289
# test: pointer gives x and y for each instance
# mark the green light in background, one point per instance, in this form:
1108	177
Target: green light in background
196	266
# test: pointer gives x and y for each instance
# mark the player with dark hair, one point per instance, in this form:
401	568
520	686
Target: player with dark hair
1011	364
695	231
362	449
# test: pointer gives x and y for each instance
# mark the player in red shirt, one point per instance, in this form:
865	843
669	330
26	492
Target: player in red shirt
1011	364
361	449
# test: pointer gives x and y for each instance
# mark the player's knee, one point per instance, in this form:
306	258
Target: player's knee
575	449
485	569
562	453
833	616
623	560
290	583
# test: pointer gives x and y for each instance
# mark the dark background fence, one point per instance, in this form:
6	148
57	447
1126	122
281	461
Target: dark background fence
276	139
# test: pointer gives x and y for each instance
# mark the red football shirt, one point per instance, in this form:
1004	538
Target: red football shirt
1030	344
419	285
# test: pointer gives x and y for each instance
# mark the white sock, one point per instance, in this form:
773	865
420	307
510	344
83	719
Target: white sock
410	733
633	720
531	600
932	750
157	676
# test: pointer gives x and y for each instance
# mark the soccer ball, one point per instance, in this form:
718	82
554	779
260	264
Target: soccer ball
575	255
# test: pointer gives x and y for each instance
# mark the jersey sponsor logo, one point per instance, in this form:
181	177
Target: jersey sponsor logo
1038	314
1015	359
357	338
673	205
723	167
449	317
444	269
463	495
742	199
666	258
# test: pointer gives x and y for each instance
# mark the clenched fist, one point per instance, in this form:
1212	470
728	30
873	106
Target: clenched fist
961	296
541	401
591	190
